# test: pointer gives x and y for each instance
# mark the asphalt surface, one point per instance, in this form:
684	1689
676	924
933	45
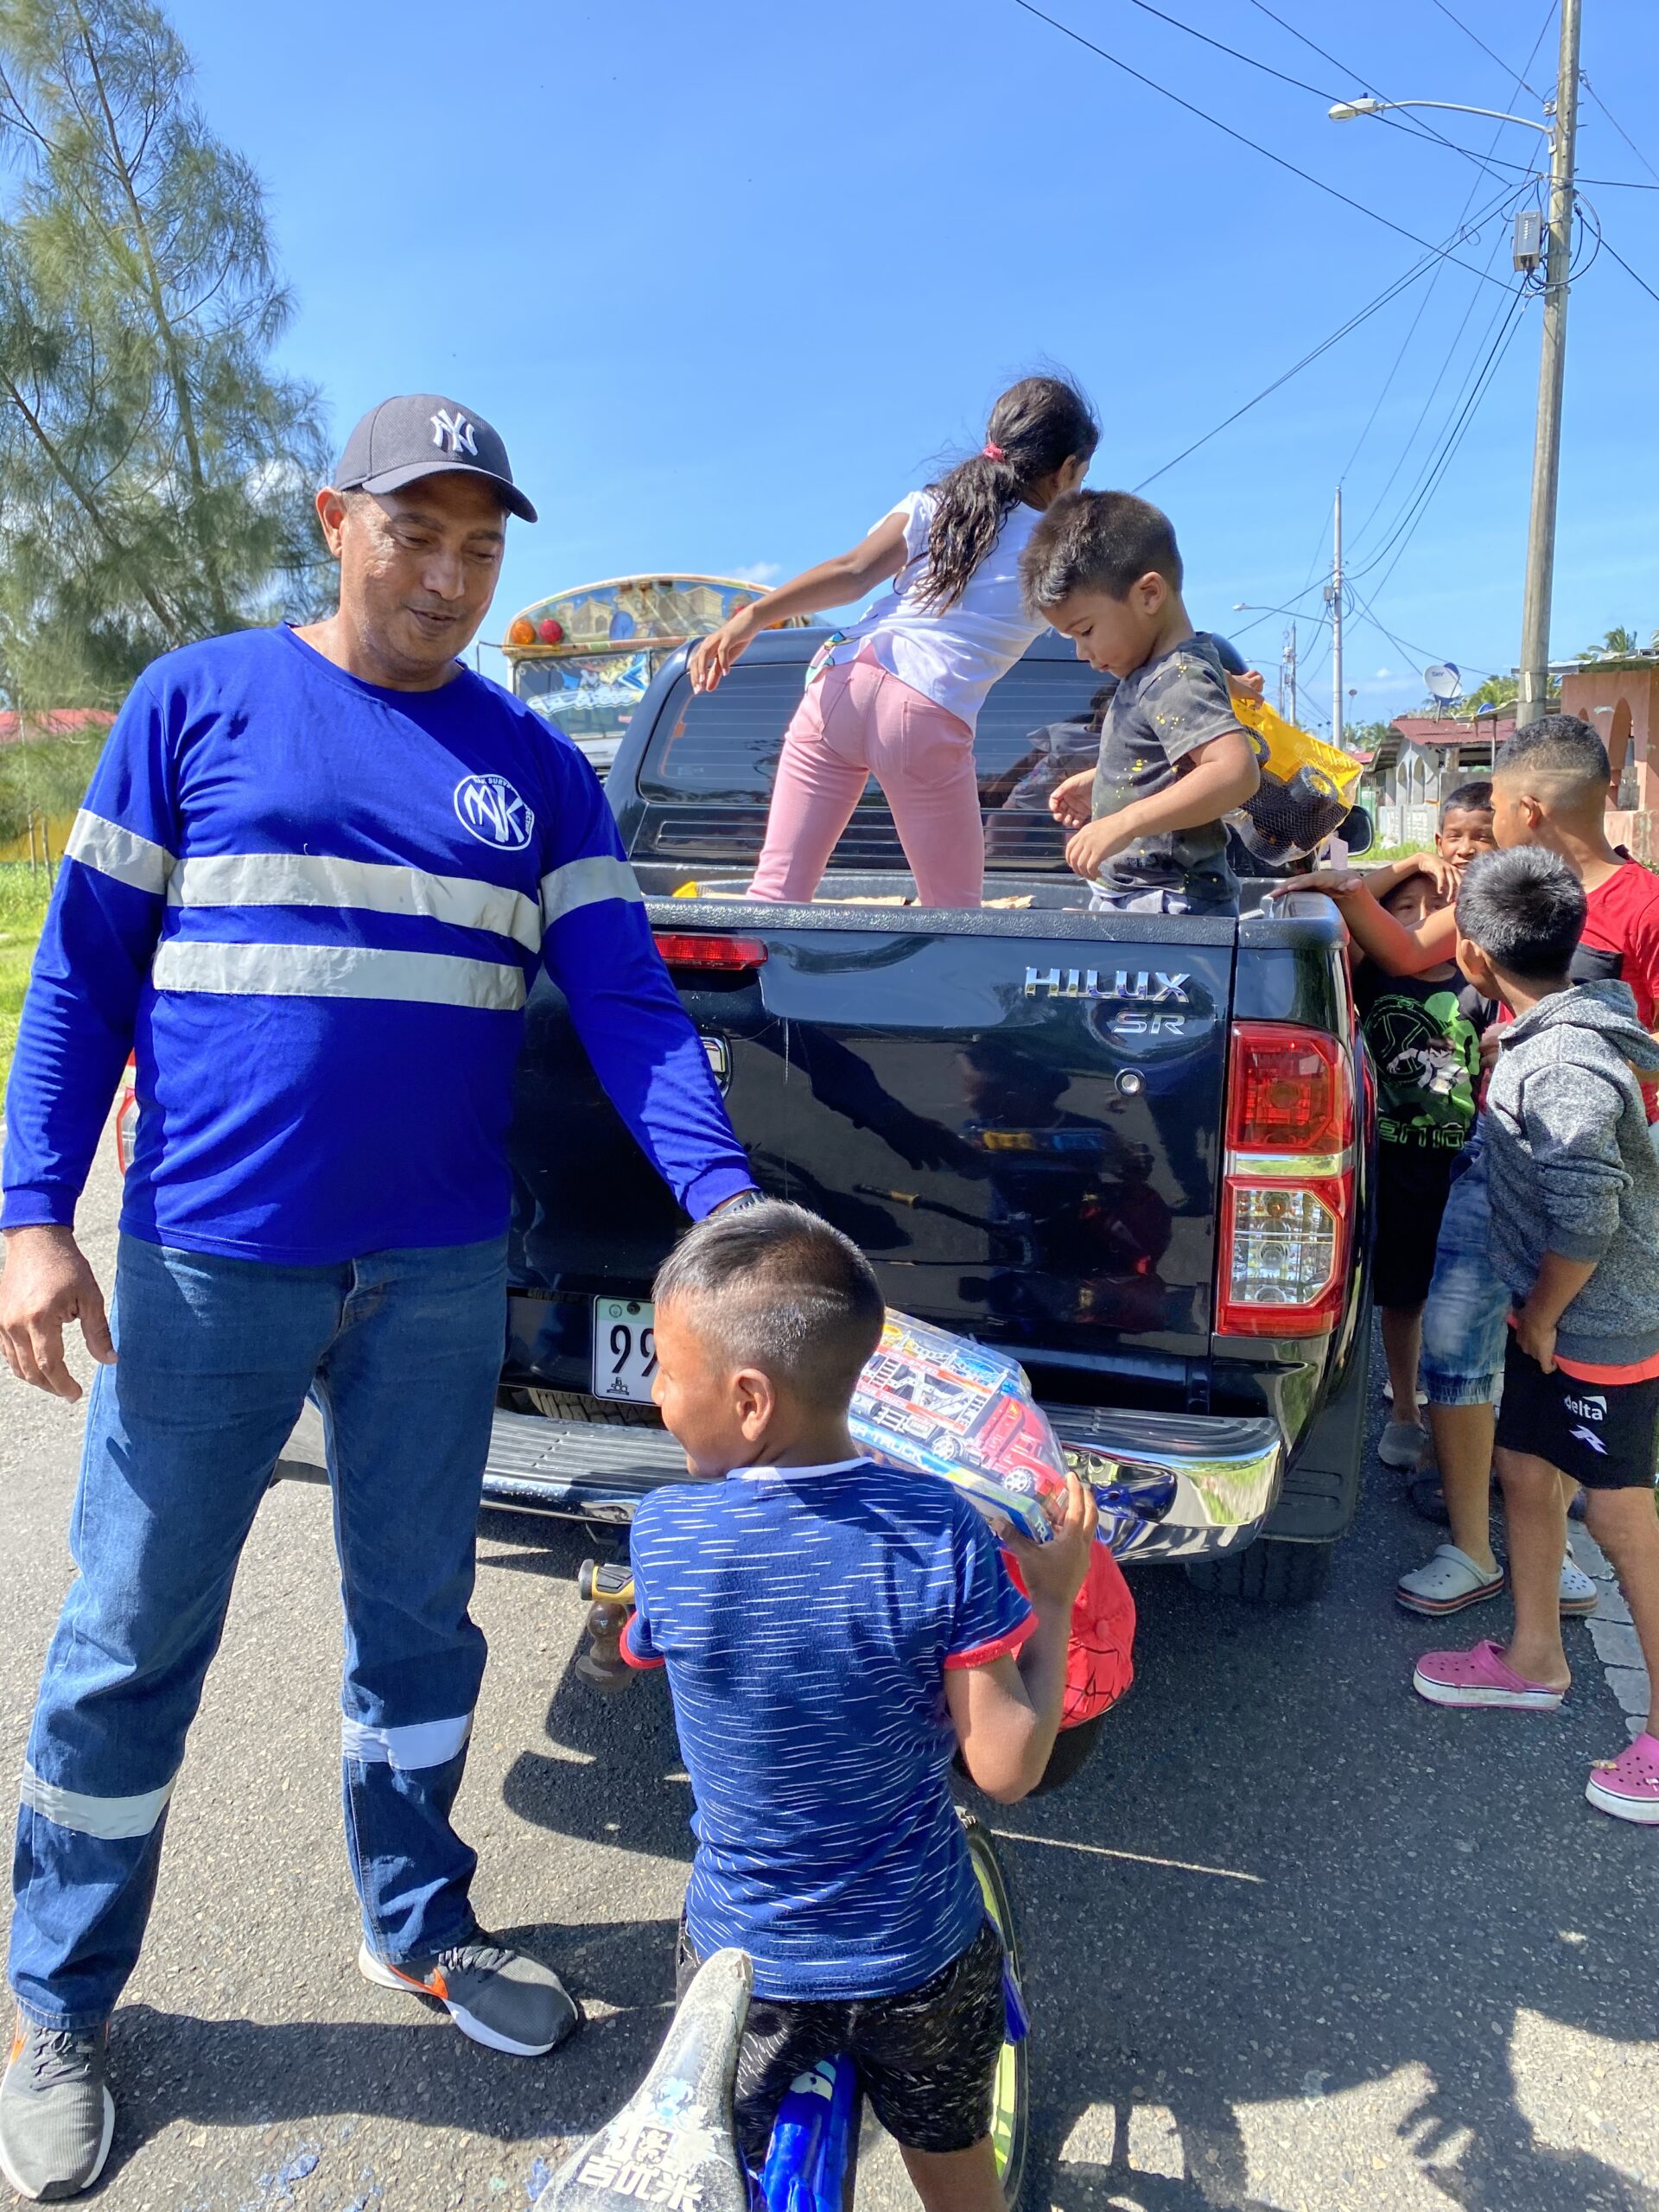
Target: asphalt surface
1293	1939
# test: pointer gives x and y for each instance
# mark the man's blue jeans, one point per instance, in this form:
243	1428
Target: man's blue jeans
402	1351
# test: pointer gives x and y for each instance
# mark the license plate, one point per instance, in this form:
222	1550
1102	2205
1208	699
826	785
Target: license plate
624	1348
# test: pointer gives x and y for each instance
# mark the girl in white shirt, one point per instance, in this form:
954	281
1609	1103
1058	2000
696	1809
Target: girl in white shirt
898	696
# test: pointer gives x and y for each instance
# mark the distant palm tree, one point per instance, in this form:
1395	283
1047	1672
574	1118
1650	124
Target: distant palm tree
1617	644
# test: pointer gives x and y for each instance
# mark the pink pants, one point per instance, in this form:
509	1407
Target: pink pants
856	722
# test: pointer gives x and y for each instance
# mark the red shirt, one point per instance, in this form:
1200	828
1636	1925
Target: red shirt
1623	918
1622	922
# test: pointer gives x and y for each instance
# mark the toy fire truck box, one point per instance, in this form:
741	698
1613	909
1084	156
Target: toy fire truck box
940	1405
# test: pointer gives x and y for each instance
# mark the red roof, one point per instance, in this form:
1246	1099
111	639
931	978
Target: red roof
1450	729
56	722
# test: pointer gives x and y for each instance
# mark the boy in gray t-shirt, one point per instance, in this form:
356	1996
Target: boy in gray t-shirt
1104	568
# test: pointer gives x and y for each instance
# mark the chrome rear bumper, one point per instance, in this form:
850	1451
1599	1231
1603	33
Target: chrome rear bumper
1170	1486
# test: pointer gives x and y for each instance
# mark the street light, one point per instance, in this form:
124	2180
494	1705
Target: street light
1345	111
1531	702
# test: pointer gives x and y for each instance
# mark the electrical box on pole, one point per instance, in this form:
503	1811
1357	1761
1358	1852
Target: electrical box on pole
1529	240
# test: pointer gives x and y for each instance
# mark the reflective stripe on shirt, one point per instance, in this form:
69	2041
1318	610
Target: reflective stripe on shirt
119	853
380	888
336	971
585	883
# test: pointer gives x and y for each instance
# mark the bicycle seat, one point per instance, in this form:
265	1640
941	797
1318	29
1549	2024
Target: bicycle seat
671	2144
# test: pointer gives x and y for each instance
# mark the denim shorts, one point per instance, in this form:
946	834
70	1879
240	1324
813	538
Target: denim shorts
1467	1320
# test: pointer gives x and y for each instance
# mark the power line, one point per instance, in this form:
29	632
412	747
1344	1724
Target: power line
1427	131
1431	476
1429	397
1435	258
1630	272
1623	134
1405	346
1457	338
1483	383
1204	116
1414	126
1404	645
1487	50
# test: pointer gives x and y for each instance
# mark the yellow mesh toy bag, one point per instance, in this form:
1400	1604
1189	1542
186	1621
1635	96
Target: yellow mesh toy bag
1307	786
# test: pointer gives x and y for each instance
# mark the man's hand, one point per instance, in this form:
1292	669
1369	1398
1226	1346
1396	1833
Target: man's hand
47	1284
1536	1337
1054	1573
1070	802
1088	851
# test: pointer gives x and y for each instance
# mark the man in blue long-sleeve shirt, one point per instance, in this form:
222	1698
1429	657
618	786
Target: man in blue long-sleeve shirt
315	877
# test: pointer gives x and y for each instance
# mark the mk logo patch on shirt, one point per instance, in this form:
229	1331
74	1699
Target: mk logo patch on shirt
492	810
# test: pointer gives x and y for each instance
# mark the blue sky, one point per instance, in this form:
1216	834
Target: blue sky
729	277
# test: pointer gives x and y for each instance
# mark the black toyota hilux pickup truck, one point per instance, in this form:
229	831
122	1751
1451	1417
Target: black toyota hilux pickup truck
1128	1150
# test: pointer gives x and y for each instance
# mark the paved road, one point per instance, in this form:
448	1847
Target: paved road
1296	1940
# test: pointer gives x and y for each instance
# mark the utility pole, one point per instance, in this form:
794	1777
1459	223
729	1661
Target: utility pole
1288	676
1333	593
1546	447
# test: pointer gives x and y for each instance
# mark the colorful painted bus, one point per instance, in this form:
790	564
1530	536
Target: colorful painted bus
584	657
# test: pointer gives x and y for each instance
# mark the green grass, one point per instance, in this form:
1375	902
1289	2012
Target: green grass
23	910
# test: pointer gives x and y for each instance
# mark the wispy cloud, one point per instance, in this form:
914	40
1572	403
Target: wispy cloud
759	572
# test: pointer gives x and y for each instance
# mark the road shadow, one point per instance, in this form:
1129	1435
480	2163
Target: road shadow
1282	1878
403	2060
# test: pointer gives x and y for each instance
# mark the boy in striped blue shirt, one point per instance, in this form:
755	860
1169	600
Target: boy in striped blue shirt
832	1631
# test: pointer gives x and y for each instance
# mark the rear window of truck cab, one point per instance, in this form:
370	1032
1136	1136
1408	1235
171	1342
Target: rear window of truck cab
1036	727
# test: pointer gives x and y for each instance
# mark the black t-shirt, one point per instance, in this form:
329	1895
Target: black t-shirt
1423	1034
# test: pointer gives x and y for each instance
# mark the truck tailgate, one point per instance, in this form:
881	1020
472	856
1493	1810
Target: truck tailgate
1016	1114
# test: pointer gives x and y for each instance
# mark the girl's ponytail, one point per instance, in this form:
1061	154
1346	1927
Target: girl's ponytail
1036	427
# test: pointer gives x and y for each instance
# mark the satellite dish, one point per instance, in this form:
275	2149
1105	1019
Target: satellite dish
1445	681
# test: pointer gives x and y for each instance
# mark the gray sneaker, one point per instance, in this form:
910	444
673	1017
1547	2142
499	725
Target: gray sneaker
56	2113
499	1997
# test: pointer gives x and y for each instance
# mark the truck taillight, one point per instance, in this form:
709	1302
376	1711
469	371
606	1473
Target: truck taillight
727	956
126	1123
1287	1193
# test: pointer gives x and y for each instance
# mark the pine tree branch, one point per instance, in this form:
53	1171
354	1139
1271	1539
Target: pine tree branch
88	506
165	330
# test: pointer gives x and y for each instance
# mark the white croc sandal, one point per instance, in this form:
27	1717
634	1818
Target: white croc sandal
1446	1584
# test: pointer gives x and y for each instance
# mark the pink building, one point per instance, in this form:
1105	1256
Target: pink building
1620	702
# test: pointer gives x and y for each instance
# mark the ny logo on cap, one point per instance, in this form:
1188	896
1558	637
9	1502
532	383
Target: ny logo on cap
452	433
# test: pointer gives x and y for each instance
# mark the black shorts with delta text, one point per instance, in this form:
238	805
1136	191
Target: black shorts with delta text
926	2058
1605	1435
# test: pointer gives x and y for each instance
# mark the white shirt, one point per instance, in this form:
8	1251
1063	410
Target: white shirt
951	655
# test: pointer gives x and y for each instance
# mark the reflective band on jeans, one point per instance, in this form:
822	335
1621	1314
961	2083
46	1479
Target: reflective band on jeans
584	883
119	853
425	1743
324	880
336	971
112	1820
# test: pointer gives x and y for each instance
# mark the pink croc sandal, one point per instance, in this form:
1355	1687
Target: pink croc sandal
1480	1677
1627	1787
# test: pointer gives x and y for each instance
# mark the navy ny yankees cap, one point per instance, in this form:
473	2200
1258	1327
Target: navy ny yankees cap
422	434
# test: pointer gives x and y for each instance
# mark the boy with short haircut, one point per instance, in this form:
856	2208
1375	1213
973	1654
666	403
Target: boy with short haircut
832	1631
1549	788
1423	1035
1466	830
1104	569
1574	1191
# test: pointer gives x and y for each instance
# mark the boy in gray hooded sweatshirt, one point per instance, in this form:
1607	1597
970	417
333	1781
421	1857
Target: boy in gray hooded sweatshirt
1575	1233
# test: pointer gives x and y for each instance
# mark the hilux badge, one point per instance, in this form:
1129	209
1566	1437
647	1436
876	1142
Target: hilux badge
1134	987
